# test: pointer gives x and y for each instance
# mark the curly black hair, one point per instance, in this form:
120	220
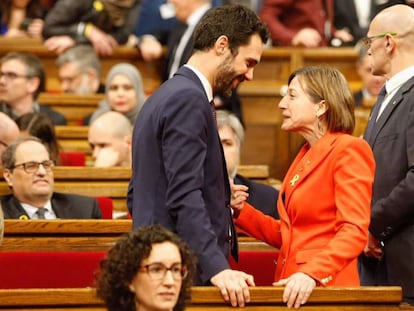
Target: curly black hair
121	265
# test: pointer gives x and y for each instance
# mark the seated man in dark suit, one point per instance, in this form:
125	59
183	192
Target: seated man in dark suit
262	197
28	171
22	79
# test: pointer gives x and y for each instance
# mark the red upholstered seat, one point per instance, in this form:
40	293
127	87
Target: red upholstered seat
106	205
260	264
48	269
72	158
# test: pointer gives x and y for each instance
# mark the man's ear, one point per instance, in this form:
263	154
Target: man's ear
222	43
8	177
33	85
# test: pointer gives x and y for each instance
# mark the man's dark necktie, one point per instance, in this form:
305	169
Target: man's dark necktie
41	213
370	130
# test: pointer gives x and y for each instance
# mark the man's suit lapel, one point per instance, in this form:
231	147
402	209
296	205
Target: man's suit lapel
15	209
391	106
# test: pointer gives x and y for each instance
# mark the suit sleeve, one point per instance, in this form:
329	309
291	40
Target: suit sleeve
96	211
392	212
184	147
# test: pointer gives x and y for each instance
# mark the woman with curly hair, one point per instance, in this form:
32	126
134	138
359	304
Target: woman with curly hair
147	270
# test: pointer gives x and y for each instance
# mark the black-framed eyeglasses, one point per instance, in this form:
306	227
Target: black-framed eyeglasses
368	40
10	75
158	271
32	166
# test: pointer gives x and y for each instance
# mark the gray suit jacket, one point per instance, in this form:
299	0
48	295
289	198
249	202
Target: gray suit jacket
65	206
392	216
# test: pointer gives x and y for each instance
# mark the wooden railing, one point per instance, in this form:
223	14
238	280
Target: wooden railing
209	298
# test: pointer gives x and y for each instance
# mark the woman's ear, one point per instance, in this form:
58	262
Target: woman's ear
322	108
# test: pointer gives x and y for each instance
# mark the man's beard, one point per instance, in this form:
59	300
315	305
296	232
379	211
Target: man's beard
223	84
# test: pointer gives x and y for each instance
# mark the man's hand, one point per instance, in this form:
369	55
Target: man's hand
59	44
373	247
234	286
307	37
298	288
150	48
107	157
102	42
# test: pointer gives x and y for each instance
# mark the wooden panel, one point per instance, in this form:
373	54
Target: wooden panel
209	298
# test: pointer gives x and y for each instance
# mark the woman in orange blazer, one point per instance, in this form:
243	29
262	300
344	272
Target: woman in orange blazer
324	201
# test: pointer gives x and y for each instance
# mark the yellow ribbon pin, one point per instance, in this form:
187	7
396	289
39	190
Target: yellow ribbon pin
23	217
294	180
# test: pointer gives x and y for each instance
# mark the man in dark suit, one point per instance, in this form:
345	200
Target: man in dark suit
179	176
22	78
180	46
28	171
262	197
354	16
389	255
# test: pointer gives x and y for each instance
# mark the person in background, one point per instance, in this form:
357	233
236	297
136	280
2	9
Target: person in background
22	18
322	229
388	256
354	16
124	93
22	79
179	177
79	70
262	197
28	171
302	23
39	125
110	139
104	24
9	131
149	269
371	85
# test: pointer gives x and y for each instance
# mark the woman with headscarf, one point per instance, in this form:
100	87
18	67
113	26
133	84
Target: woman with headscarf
124	93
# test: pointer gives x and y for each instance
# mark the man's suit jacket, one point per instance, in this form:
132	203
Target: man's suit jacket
262	197
346	16
65	206
392	216
56	117
179	178
324	211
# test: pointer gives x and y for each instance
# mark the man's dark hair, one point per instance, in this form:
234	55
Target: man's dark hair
34	68
235	21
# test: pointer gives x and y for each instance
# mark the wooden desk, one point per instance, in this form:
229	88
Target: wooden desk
209	298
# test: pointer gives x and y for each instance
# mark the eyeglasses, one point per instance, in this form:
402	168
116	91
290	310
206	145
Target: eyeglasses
3	144
10	75
158	271
32	167
368	40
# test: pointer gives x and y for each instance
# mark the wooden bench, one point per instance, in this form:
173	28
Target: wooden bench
209	298
79	235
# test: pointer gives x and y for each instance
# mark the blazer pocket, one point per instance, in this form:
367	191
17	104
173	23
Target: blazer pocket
305	255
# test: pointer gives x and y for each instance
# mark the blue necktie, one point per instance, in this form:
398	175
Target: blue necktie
370	130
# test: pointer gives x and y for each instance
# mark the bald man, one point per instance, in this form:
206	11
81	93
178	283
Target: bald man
9	131
389	255
110	139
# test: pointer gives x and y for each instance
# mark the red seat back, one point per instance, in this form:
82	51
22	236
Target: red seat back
106	205
48	269
72	158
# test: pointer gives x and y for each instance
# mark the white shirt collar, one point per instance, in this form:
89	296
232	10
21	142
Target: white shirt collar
204	81
31	210
194	18
393	84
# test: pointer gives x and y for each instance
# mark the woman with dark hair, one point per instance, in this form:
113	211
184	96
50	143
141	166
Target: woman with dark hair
22	18
40	125
149	269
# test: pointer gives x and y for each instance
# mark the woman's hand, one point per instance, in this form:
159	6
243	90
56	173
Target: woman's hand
298	288
239	195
